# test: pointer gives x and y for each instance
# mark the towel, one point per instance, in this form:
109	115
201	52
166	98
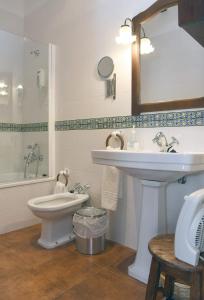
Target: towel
110	188
59	188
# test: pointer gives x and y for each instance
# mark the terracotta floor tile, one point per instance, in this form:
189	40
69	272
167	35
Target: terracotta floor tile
113	255
106	285
29	272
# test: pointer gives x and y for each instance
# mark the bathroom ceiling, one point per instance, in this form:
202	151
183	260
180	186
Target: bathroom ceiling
32	5
15	7
21	8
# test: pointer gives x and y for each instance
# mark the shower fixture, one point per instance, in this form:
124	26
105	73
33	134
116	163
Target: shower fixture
35	52
32	156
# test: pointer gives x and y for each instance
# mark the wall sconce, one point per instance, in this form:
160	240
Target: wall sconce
145	44
3	89
3	85
3	93
126	36
20	90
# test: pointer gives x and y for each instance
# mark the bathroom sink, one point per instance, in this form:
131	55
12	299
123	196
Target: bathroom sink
157	166
155	170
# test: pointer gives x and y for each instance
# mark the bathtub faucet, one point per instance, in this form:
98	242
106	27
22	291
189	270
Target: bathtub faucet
32	156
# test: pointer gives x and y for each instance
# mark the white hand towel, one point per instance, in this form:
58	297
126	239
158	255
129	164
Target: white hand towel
59	188
110	188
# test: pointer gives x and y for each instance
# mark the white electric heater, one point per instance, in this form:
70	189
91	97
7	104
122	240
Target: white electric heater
189	237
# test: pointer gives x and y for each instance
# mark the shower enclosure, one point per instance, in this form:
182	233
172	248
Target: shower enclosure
24	108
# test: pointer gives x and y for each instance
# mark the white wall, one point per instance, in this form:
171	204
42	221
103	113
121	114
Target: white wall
80	44
35	100
11	72
80	94
14	212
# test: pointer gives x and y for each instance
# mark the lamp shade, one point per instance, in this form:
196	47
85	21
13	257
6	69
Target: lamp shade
125	35
146	46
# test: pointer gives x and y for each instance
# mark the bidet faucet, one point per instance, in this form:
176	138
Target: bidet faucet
161	140
80	189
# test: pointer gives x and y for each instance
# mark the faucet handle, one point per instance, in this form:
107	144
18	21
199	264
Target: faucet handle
174	141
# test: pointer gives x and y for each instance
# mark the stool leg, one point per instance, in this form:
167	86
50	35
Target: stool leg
153	282
195	293
169	286
202	286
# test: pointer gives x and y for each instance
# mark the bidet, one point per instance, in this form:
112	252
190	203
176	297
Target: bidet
56	212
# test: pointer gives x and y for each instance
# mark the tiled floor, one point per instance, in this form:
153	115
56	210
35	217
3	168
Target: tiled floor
29	272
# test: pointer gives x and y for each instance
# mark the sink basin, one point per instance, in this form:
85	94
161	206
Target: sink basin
155	170
157	166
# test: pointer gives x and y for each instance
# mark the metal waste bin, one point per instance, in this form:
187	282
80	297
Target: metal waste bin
90	226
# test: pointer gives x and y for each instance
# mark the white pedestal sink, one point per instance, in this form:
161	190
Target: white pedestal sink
154	170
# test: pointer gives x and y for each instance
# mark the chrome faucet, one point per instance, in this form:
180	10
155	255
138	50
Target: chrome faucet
78	188
33	156
161	140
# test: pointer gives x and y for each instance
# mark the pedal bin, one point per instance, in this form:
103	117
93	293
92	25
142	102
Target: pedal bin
90	226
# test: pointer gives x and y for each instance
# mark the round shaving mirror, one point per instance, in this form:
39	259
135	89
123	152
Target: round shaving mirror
105	67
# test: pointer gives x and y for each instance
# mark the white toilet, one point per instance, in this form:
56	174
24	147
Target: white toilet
56	212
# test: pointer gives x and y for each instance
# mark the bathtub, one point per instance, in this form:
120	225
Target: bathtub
16	177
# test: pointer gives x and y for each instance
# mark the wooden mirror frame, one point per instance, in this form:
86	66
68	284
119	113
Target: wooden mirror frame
137	107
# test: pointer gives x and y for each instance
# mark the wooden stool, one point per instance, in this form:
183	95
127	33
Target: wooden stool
164	261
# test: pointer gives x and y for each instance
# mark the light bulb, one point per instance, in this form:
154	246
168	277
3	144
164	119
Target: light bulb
146	46
3	85
125	35
3	93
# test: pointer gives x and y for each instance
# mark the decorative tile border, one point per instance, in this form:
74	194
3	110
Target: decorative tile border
169	119
29	127
33	127
10	127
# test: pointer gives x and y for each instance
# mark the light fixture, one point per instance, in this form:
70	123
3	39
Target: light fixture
145	44
20	89
3	88
126	36
3	85
3	93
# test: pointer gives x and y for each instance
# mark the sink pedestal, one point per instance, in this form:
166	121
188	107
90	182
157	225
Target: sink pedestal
152	222
155	170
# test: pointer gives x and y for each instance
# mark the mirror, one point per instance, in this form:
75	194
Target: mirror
105	70
105	67
168	73
24	108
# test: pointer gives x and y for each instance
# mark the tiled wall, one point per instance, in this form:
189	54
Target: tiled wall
81	107
169	119
12	127
80	101
14	212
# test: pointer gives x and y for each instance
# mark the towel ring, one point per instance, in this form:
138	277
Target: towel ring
65	177
119	136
